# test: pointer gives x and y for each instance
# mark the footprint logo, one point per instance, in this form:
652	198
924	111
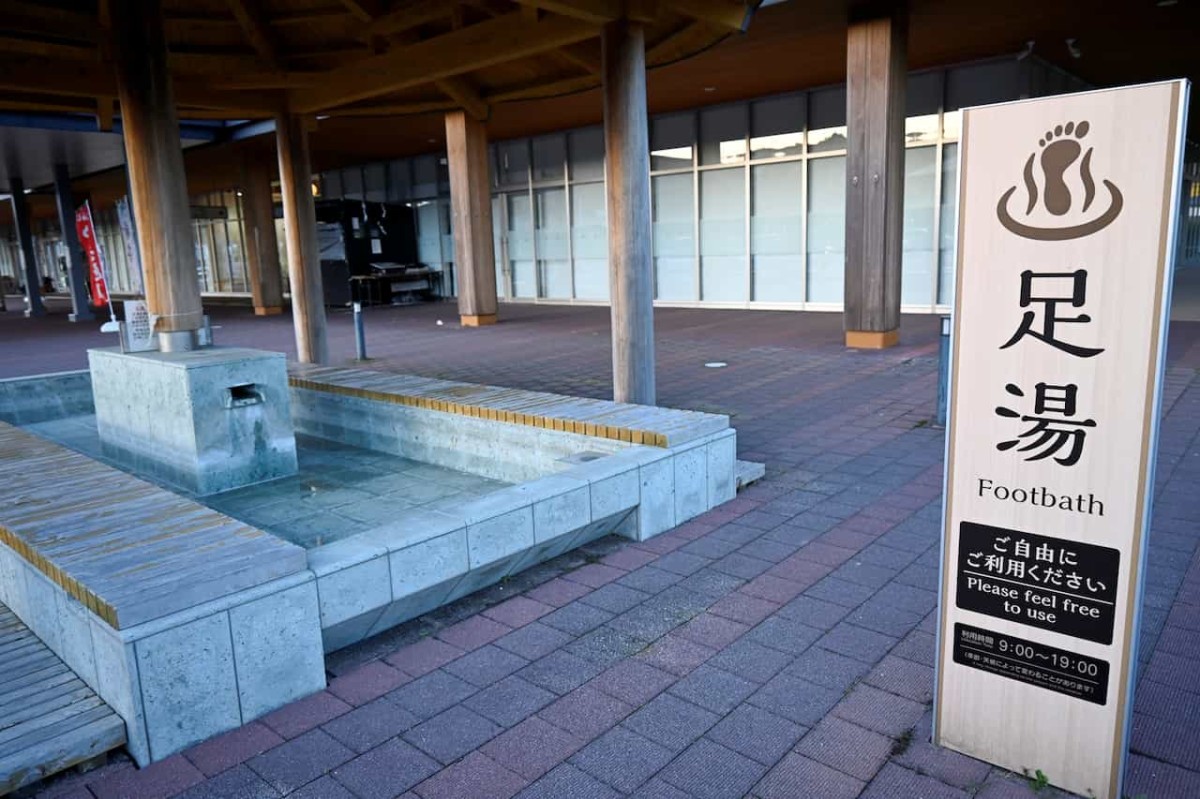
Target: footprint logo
1058	153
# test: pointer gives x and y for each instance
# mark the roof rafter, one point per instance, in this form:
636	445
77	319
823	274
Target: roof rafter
409	16
463	93
733	16
249	15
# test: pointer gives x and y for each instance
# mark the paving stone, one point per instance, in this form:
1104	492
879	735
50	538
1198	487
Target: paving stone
429	695
671	722
622	758
713	631
943	764
594	575
229	749
628	558
532	748
165	778
518	611
879	711
614	598
756	733
681	563
786	635
893	781
558	592
509	701
657	789
840	592
813	612
238	782
370	725
919	647
713	689
559	672
367	682
474	775
633	681
300	760
485	666
533	641
708	770
585	712
751	661
711	584
676	655
423	657
773	589
473	633
740	564
798	776
650	579
743	608
847	747
568	781
576	618
857	642
452	733
793	698
386	770
710	547
903	677
302	716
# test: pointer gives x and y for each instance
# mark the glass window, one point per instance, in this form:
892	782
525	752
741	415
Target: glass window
512	163
952	125
916	268
399	182
674	237
520	245
499	242
777	127
331	184
552	250
921	130
589	241
948	224
444	217
375	183
776	257
826	229
587	154
429	233
723	235
723	135
671	140
827	120
424	176
979	84
549	156
352	183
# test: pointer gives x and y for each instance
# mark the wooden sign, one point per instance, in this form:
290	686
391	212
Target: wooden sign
1065	246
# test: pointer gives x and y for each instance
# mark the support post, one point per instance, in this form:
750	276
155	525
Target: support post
262	245
81	303
33	284
876	48
471	206
300	225
627	171
157	179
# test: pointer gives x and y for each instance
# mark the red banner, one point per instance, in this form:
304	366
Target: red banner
91	250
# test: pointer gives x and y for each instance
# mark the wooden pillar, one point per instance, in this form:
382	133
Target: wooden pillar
33	283
300	227
262	245
875	66
157	179
81	303
627	171
471	206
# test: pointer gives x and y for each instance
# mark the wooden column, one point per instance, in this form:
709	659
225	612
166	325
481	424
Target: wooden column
81	303
262	245
627	171
875	67
300	227
33	283
157	180
471	206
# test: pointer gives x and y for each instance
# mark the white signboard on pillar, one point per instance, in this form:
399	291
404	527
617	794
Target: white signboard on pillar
1065	245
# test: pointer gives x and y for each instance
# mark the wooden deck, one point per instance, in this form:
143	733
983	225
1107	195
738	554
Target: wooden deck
49	720
128	550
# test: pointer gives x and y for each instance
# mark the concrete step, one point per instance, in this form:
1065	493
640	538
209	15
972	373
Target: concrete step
49	719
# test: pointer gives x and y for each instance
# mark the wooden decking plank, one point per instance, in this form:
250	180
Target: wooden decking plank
42	759
40	705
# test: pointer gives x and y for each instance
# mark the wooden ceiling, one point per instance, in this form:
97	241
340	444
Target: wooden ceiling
253	58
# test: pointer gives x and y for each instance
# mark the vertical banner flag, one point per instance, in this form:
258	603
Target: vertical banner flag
129	239
1065	250
91	249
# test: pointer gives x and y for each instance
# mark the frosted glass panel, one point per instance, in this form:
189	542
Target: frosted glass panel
827	120
352	183
552	250
399	182
425	176
916	268
512	163
520	246
589	241
826	229
671	140
777	127
674	237
375	177
776	257
948	224
723	235
331	184
429	233
549	157
723	135
498	239
586	149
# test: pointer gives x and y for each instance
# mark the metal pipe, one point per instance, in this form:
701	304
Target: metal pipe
943	393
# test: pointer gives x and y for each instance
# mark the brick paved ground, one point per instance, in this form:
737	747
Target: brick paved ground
780	646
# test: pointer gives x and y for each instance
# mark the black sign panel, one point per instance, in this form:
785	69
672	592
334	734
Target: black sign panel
1036	664
1055	584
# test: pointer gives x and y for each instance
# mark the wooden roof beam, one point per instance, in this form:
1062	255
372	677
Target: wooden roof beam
728	14
485	44
366	10
408	16
250	17
597	12
463	93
